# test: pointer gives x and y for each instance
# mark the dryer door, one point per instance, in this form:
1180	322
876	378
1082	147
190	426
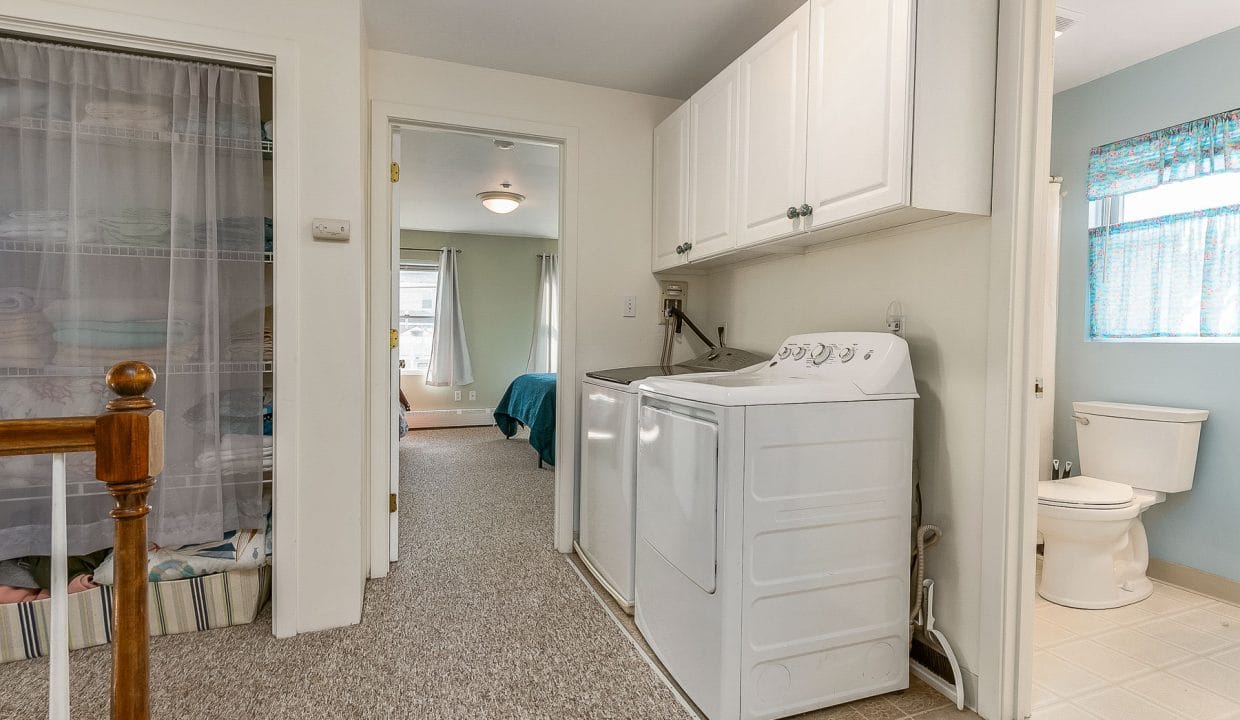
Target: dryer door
678	471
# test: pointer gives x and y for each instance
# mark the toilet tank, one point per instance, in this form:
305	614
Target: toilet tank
1147	447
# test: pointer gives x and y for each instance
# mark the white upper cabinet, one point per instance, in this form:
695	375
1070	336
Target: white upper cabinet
860	108
773	91
851	116
713	120
671	190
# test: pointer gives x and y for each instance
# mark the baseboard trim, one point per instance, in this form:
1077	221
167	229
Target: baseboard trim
1199	581
424	419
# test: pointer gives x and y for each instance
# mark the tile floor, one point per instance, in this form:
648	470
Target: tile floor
1173	656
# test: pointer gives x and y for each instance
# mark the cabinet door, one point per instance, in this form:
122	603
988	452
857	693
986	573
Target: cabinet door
671	185
860	108
774	87
713	115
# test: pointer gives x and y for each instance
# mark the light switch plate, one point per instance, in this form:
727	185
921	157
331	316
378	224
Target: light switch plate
329	229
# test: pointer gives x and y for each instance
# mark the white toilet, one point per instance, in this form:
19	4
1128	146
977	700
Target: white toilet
1095	548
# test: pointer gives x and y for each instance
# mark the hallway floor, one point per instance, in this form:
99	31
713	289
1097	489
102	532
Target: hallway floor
482	618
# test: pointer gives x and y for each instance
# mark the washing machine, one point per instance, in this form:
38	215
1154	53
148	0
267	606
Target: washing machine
773	511
607	505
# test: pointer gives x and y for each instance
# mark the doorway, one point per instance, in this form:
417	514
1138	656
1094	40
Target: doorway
474	246
1128	341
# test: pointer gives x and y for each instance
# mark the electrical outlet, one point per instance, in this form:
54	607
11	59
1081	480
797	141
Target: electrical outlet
473	395
456	396
630	306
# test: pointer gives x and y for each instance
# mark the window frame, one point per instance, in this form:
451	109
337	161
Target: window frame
419	265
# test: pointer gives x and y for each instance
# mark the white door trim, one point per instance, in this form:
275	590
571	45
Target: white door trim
1010	462
73	23
380	418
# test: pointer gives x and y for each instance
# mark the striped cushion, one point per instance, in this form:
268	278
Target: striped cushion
179	606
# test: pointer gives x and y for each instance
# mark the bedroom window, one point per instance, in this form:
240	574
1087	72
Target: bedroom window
1164	235
419	284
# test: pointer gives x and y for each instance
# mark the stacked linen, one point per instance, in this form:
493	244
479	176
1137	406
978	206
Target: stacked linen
234	233
137	227
250	337
103	331
25	334
239	411
129	115
35	226
238	454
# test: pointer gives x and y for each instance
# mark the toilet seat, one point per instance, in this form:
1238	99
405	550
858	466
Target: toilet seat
1084	492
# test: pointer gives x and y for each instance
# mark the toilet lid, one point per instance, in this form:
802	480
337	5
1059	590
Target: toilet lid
1083	491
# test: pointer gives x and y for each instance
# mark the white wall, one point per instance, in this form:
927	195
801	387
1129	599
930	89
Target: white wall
614	194
939	271
323	39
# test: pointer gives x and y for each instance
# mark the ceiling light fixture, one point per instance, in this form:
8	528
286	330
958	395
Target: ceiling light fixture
501	201
505	144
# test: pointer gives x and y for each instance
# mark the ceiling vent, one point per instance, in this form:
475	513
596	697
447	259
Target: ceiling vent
1065	19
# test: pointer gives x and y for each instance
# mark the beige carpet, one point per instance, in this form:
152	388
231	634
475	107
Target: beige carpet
480	619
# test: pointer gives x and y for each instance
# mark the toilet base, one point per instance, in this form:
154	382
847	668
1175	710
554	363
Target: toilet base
1094	560
1139	589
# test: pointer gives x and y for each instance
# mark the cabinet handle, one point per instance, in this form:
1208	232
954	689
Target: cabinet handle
688	246
792	213
680	249
805	210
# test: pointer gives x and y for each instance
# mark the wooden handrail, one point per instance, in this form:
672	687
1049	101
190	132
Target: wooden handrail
128	441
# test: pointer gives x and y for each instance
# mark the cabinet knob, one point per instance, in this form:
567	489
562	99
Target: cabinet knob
680	249
805	210
688	246
792	213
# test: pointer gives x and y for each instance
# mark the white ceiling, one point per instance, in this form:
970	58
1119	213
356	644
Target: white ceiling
442	172
1115	34
659	47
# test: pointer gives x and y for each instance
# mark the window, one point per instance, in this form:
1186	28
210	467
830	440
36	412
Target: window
1164	234
418	286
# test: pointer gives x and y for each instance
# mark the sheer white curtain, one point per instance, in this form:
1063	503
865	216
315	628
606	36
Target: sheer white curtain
131	228
449	363
545	347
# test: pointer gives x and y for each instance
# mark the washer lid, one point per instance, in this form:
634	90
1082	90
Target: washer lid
1083	491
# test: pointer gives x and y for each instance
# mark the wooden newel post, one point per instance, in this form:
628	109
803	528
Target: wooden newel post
129	453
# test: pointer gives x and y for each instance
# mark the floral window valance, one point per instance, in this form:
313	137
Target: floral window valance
1194	149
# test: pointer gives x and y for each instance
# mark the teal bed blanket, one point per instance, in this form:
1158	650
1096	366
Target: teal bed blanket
530	401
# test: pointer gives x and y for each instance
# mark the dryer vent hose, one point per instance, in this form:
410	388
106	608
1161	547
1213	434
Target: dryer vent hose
927	535
669	333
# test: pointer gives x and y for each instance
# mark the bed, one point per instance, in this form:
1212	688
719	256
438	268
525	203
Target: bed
530	402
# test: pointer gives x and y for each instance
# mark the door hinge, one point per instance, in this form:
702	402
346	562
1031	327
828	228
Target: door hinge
392	502
395	172
1038	387
393	338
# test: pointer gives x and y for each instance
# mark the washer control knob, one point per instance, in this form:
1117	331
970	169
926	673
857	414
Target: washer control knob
783	352
798	352
821	354
847	353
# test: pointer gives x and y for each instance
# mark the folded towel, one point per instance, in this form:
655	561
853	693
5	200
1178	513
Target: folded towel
85	356
129	115
238	453
122	333
17	300
121	309
34	225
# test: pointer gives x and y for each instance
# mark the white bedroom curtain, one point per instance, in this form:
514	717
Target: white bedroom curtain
545	347
449	364
131	228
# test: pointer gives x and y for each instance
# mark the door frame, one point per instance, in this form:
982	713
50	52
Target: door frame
381	420
1014	349
62	22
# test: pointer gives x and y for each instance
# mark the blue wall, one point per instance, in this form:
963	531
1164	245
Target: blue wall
1199	528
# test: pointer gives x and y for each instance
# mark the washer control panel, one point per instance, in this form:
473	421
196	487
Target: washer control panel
830	353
